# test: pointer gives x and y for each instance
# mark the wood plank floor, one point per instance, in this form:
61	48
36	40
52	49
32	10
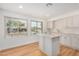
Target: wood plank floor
26	50
33	50
67	51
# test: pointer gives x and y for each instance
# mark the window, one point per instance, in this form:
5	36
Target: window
36	27
16	26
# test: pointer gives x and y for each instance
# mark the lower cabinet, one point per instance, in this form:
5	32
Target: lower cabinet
70	40
49	45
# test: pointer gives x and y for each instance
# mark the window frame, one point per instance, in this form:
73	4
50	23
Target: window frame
11	18
36	25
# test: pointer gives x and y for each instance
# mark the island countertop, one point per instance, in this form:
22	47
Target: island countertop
53	35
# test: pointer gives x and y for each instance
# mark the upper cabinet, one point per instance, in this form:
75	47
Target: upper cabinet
67	22
72	21
60	24
76	21
50	24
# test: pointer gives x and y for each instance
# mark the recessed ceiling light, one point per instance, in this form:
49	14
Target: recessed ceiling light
20	6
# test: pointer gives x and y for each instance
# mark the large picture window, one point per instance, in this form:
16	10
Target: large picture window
36	27
16	26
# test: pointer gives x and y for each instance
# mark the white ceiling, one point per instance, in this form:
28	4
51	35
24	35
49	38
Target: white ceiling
40	9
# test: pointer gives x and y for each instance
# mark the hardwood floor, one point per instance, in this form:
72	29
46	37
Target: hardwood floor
34	50
26	50
67	51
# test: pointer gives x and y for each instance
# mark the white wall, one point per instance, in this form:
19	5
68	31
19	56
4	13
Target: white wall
7	41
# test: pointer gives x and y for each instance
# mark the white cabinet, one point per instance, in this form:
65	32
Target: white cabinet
49	45
75	41
50	24
65	39
72	21
69	22
60	24
76	21
71	40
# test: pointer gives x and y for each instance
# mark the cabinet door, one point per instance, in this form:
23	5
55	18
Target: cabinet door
66	40
60	24
69	22
69	40
55	46
48	45
75	41
51	46
50	24
76	21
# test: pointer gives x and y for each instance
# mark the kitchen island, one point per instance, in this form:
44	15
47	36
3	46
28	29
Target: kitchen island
49	44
